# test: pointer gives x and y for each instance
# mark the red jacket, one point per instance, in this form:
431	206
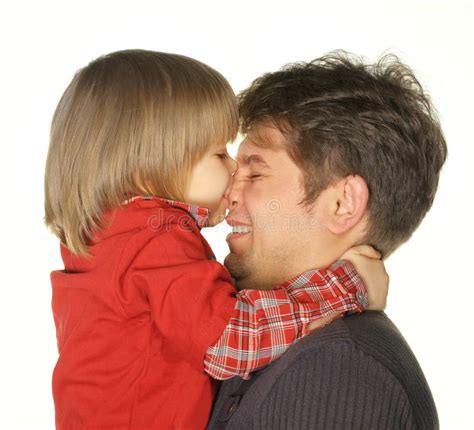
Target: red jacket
116	369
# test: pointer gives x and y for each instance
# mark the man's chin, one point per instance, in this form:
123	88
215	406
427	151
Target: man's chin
236	267
246	275
230	262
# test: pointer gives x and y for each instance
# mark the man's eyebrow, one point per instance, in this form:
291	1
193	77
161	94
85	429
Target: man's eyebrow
247	160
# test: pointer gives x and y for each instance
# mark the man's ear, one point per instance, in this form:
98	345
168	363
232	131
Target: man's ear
347	203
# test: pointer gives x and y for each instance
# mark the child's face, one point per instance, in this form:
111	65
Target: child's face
209	181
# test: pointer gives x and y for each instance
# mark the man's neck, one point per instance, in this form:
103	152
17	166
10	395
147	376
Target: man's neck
311	260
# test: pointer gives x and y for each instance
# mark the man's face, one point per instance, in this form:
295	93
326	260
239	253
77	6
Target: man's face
273	235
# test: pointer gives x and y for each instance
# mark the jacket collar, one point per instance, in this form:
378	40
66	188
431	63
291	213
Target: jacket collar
200	214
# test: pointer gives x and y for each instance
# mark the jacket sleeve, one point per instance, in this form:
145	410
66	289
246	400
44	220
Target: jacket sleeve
264	324
195	305
189	297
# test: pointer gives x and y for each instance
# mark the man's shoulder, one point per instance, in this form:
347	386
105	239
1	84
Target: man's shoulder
361	355
371	333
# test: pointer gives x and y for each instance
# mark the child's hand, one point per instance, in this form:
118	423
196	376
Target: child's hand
371	269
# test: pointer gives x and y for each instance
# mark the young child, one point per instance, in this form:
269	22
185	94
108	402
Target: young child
144	314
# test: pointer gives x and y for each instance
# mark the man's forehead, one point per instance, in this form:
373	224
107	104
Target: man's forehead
249	153
266	137
259	146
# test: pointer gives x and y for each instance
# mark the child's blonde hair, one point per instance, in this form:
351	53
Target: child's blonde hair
130	122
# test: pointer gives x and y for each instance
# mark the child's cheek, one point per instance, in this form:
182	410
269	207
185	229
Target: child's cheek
218	186
218	179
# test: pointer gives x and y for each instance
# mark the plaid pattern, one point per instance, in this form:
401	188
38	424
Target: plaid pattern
265	323
199	214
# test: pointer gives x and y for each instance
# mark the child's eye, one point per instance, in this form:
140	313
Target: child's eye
222	155
254	176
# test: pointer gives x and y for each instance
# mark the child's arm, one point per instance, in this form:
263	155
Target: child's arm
193	303
265	323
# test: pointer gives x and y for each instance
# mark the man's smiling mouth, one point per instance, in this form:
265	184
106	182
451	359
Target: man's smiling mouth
241	229
238	228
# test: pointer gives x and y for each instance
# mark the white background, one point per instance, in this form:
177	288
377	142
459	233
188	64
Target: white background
44	43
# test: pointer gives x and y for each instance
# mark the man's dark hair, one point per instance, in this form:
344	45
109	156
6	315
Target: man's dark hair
342	117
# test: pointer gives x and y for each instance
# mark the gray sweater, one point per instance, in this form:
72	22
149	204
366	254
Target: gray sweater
356	373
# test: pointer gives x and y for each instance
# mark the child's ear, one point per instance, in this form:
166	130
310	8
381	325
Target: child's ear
346	204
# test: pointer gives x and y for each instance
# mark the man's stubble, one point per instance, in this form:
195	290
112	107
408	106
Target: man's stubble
256	272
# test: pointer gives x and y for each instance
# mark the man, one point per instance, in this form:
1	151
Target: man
336	153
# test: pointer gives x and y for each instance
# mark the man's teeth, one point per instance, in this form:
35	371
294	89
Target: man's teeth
241	229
